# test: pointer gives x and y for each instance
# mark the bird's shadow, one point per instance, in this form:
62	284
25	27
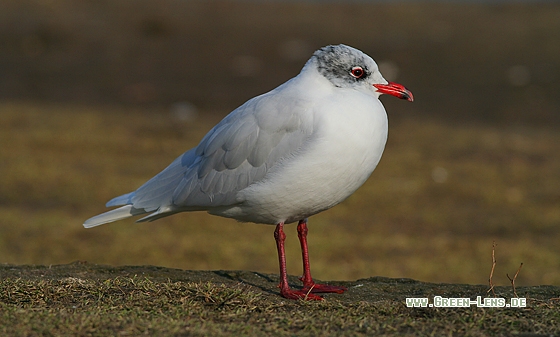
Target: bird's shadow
244	277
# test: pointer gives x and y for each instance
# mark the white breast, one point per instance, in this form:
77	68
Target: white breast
346	146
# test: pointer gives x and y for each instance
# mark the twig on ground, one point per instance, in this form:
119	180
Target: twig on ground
492	270
309	292
513	280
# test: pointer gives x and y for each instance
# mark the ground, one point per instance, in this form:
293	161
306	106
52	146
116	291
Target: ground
96	300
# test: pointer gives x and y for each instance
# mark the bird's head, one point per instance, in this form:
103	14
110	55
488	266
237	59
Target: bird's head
347	67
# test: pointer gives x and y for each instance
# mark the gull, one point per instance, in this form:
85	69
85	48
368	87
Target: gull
281	157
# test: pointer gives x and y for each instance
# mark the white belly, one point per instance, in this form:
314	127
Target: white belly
344	151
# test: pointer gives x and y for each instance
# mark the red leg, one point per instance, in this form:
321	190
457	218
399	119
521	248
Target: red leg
285	290
308	284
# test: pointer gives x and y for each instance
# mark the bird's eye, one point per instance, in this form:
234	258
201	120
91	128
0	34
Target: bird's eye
357	72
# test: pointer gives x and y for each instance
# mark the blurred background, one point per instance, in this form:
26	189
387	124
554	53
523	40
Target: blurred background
96	97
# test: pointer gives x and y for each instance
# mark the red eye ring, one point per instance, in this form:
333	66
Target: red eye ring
357	72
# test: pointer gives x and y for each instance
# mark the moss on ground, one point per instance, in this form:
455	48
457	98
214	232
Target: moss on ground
95	300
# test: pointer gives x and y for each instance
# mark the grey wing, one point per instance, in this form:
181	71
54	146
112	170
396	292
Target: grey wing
236	153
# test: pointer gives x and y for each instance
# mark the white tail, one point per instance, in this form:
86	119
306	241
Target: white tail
113	215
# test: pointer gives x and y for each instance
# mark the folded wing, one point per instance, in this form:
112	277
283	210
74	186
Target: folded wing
237	152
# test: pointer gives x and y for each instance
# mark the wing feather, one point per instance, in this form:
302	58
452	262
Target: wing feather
212	162
235	156
266	142
245	130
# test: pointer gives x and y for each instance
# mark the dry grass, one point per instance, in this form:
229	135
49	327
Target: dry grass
61	163
84	299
